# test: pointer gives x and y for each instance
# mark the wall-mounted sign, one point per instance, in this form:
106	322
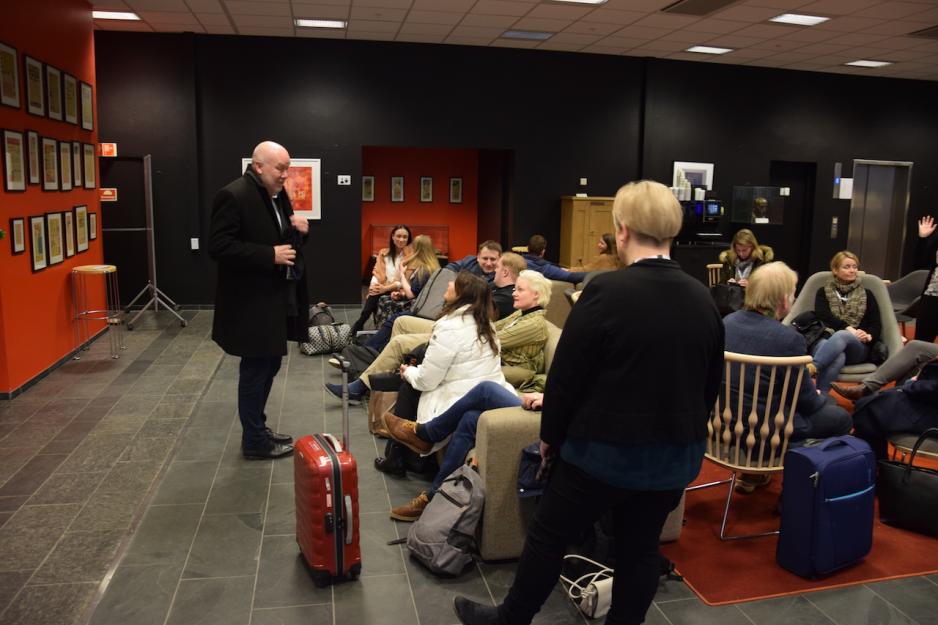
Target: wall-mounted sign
108	150
106	194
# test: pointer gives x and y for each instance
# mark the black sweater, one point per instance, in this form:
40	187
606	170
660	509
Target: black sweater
639	360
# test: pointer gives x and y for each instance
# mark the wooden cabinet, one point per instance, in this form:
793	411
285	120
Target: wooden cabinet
583	220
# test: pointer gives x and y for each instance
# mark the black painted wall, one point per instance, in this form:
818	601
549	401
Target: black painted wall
742	118
563	116
200	103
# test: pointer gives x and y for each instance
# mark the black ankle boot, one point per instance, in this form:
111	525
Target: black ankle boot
393	461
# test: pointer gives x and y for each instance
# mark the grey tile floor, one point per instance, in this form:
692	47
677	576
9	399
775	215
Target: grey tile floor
136	508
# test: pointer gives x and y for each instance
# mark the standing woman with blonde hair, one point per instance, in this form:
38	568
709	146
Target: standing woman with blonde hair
620	437
852	312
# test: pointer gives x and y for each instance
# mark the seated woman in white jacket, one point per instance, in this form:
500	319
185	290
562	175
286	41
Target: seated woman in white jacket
462	352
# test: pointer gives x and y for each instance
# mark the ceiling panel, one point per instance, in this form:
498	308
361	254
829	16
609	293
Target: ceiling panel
876	28
246	7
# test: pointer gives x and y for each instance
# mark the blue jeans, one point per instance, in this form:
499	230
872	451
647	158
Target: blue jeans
460	420
380	339
832	354
256	376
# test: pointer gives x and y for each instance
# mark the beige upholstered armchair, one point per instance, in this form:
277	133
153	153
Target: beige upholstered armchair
732	442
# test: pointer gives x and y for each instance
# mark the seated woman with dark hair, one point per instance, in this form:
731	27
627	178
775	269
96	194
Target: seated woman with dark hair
852	312
608	257
743	257
757	330
384	277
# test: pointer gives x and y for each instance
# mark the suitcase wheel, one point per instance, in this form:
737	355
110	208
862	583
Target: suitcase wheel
355	571
322	579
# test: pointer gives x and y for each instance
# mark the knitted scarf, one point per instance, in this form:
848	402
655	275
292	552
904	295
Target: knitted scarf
847	301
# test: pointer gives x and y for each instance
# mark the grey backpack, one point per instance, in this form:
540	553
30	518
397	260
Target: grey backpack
429	302
443	538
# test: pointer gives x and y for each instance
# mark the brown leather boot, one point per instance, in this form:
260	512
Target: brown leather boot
852	393
410	512
405	433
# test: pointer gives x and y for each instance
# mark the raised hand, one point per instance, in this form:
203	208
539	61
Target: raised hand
926	226
300	223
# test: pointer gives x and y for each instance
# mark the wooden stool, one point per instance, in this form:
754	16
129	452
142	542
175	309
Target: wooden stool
110	314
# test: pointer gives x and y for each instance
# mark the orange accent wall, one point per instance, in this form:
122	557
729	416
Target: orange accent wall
35	308
412	164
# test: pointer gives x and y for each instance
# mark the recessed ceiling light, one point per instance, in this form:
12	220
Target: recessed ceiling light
708	50
319	23
863	63
532	35
114	15
799	20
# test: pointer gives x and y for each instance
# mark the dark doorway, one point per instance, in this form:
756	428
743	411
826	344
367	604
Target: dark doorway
496	172
792	239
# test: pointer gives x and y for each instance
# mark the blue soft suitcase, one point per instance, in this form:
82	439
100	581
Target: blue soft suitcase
827	506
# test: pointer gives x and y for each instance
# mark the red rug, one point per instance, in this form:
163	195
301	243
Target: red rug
723	572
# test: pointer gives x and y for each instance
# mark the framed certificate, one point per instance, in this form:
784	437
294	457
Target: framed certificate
14	161
54	92
50	164
87	114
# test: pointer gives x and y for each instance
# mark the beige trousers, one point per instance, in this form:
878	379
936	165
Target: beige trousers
408	332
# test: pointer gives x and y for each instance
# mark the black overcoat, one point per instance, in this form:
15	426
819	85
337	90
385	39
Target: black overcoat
252	313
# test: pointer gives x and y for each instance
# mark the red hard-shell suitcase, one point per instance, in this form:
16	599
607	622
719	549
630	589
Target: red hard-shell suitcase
326	492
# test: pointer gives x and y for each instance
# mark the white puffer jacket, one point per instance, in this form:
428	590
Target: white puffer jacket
455	361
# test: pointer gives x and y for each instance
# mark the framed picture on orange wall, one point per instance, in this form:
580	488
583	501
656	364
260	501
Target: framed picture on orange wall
18	235
37	240
70	91
87	112
81	227
368	188
35	97
14	162
65	165
87	167
32	156
56	238
455	190
69	233
50	164
426	189
9	76
54	92
397	188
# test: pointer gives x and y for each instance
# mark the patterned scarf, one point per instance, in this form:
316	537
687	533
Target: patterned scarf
743	268
847	301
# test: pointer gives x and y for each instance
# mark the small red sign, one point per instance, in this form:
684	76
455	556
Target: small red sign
107	194
108	149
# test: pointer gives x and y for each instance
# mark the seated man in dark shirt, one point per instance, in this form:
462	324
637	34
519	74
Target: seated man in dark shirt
537	245
483	264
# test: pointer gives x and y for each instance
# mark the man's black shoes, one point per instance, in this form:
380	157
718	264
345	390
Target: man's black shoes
472	613
277	437
276	450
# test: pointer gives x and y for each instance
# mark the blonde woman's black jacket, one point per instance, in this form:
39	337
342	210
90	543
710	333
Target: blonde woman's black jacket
639	360
254	311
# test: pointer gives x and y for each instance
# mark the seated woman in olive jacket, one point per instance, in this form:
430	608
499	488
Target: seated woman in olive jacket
852	312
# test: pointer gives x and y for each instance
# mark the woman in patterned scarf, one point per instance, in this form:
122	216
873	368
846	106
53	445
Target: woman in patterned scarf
744	255
849	309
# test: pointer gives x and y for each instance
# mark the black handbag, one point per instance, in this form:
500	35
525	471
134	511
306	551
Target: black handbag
811	328
908	495
728	297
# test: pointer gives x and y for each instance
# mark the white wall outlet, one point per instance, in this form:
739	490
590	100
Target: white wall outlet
784	191
582	182
194	243
344	180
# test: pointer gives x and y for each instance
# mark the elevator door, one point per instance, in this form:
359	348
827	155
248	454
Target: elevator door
878	214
